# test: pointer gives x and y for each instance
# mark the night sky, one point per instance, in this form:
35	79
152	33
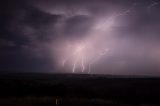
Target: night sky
119	37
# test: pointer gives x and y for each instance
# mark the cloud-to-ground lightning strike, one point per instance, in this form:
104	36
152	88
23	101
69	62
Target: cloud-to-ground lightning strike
83	67
106	24
74	66
80	52
79	57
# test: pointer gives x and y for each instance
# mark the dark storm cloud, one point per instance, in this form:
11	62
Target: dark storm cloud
4	43
30	28
24	33
77	26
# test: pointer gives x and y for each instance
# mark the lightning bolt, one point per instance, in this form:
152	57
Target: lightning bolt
82	62
80	52
74	65
106	24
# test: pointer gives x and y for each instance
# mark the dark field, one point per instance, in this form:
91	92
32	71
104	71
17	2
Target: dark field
78	90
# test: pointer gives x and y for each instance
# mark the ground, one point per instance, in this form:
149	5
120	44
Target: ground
31	89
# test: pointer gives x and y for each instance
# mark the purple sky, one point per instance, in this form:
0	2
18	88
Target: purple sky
113	36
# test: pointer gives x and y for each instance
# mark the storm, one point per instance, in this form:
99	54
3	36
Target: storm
117	37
